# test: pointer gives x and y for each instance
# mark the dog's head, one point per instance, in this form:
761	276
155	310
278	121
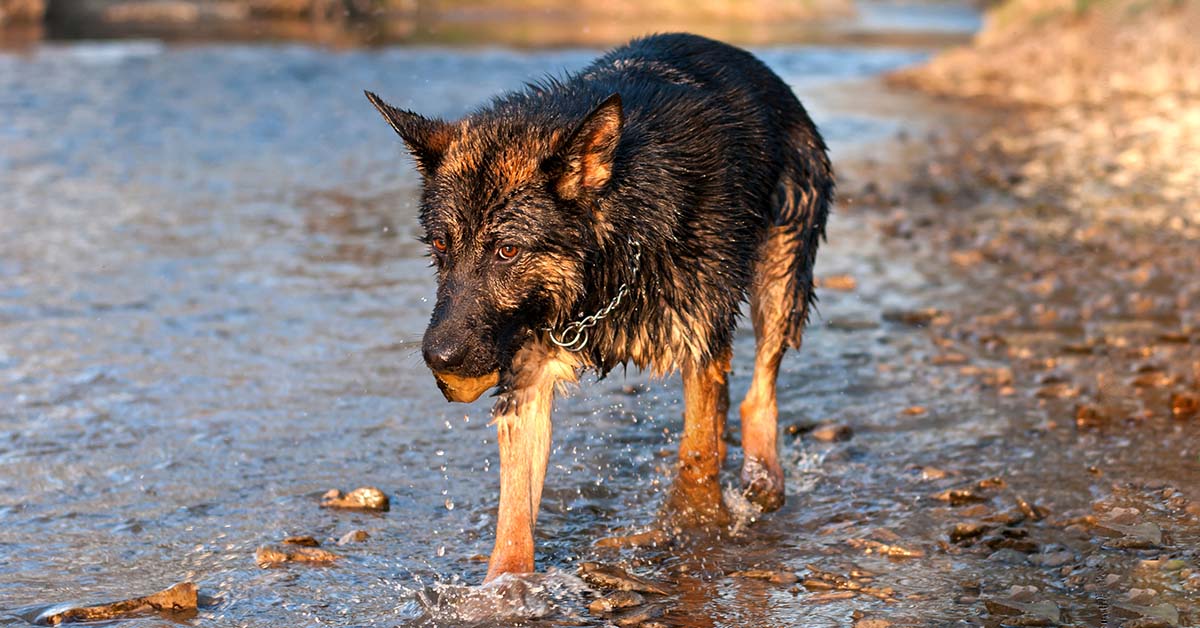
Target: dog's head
507	207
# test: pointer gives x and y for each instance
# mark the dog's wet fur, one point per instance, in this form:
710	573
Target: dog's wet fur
686	152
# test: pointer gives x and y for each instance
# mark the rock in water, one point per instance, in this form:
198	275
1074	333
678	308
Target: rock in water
275	555
180	598
778	576
615	601
365	498
611	577
354	536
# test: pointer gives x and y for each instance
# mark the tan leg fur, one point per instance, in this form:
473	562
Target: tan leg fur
523	431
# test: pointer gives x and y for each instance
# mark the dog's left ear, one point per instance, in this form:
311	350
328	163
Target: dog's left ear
426	139
585	161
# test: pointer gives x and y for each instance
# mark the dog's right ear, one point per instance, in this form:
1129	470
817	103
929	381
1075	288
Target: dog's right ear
427	139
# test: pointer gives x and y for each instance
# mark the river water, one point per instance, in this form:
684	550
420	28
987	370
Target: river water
211	300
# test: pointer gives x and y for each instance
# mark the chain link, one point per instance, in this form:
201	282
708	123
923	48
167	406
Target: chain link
574	337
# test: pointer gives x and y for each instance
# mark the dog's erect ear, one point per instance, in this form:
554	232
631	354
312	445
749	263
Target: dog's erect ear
427	139
585	161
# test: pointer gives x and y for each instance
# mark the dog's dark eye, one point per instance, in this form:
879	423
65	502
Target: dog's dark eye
507	252
439	245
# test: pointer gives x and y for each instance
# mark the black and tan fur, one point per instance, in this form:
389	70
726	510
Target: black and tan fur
683	148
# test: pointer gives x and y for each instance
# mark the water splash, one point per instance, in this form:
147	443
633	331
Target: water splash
508	598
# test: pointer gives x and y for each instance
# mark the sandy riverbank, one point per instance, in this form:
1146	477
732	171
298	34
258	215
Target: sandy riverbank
1073	202
1069	204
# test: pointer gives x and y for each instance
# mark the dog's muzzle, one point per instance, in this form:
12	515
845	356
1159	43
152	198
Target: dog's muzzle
465	389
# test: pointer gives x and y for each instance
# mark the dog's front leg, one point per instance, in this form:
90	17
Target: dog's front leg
523	433
696	495
523	428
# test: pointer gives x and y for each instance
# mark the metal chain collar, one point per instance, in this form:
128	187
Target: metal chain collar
574	337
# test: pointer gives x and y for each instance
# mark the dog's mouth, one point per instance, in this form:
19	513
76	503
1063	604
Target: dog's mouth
465	389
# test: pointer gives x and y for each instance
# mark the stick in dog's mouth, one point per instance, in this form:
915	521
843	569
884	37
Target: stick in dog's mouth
465	389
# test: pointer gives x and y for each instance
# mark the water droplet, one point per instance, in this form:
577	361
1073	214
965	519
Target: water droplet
449	504
441	550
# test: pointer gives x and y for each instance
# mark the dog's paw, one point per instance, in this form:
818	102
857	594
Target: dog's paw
762	485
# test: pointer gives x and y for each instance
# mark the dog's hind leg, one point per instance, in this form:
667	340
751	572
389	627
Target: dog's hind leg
722	417
523	430
772	299
780	297
696	495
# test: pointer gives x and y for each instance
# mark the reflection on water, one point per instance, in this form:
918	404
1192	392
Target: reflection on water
210	291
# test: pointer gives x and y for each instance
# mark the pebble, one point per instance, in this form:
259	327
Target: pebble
613	577
1150	615
959	496
777	576
869	546
837	586
838	283
914	318
275	555
615	601
1042	610
1008	557
637	616
354	536
1140	536
364	498
1088	415
932	473
1185	405
1031	510
966	531
649	538
832	433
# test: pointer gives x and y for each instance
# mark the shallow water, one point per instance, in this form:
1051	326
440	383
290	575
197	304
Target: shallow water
210	299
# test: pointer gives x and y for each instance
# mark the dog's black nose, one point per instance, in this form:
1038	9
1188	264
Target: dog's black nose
445	356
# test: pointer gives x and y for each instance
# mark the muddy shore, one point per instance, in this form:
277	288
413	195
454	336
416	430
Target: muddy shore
1071	205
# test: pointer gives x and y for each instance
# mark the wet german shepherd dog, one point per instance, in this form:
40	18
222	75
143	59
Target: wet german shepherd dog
622	214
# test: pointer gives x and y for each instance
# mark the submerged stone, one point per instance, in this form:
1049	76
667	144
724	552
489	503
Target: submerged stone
179	598
613	577
892	551
1042	610
649	538
354	536
1185	405
275	555
615	601
638	616
832	433
778	576
364	498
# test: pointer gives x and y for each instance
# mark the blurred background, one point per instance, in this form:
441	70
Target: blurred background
464	22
